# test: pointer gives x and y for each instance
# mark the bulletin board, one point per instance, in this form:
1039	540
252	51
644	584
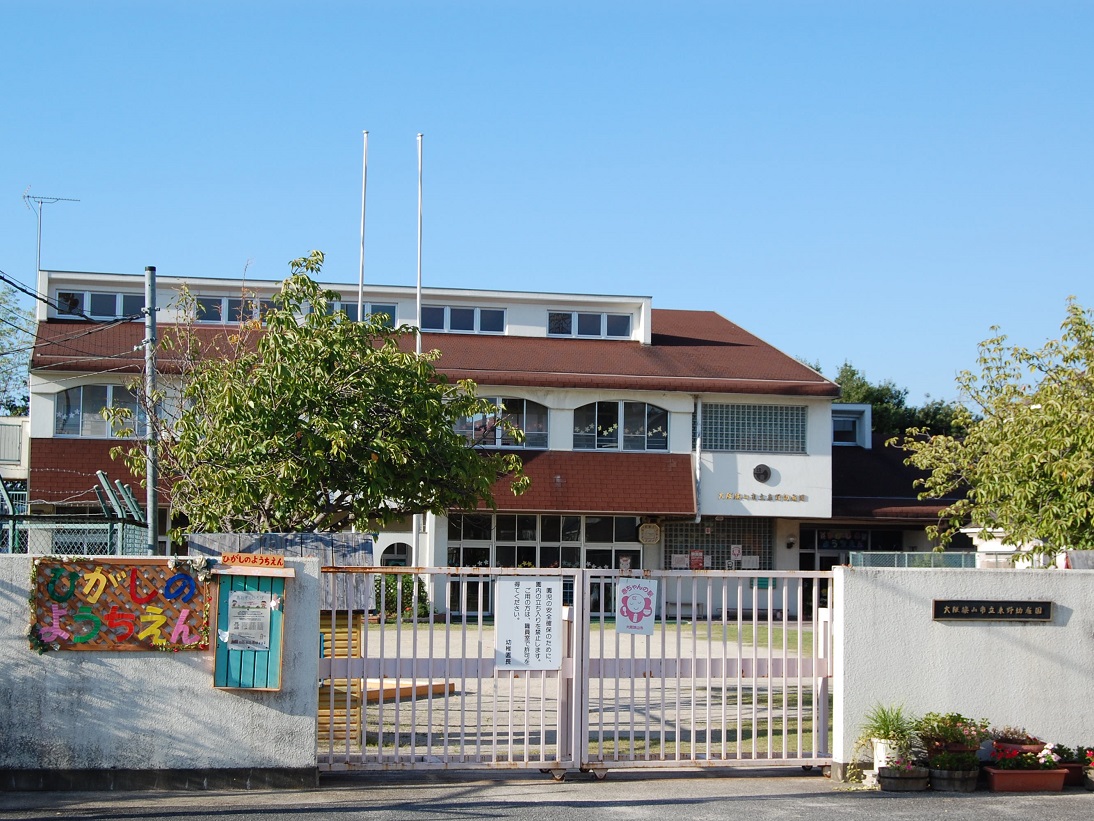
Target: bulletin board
250	627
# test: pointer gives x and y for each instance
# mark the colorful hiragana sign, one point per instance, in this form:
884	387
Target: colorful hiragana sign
119	604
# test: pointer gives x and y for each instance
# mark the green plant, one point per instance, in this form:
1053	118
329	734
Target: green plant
952	728
889	722
1013	735
403	594
1011	759
954	761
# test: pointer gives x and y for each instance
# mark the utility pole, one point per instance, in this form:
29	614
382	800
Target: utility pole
152	466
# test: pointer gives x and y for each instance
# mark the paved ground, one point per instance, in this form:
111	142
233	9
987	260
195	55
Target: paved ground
624	795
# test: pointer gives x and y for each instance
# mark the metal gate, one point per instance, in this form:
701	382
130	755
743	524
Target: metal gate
736	673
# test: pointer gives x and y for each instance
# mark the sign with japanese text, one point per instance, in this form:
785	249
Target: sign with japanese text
253	560
249	620
528	623
636	601
993	610
118	604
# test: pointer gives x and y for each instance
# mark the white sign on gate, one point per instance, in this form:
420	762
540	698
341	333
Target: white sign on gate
528	623
636	600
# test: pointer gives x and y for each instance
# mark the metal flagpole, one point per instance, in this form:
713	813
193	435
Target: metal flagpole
418	335
361	270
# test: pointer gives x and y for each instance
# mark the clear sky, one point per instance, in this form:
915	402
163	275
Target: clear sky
879	182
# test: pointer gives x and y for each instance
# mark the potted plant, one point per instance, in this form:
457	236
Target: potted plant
1074	761
889	731
954	771
902	773
1088	756
1016	738
952	732
1013	770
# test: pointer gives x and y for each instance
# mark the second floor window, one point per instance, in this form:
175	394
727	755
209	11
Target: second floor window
621	426
78	411
231	309
459	319
99	305
487	430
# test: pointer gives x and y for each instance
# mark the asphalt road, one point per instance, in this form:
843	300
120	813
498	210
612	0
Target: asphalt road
624	796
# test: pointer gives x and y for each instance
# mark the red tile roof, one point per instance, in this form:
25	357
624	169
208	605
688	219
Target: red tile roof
691	351
603	482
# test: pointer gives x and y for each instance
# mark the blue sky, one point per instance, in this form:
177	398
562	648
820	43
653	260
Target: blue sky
879	182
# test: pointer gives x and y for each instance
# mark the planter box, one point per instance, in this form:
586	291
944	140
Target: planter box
1075	773
954	780
1025	780
893	780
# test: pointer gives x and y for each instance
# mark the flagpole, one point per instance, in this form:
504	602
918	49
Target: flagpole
418	522
419	335
361	269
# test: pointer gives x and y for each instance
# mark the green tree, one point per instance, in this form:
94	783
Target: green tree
890	411
315	422
16	338
1026	460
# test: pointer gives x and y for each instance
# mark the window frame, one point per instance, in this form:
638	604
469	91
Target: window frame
87	297
614	436
496	437
109	431
574	323
446	325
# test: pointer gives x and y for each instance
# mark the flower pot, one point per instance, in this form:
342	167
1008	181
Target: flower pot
1025	780
1088	778
954	780
1020	748
892	779
884	749
1075	773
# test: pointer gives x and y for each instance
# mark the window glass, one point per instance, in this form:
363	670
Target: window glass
386	310
844	429
461	319
634	426
585	427
526	528
132	304
94	400
599	529
506	555
66	413
265	306
607	425
455	527
432	318
476	526
209	308
70	302
535	425
239	310
619	325
104	304
560	324
507	528
626	528
491	320
552	529
589	324
571	528
514	414
657	428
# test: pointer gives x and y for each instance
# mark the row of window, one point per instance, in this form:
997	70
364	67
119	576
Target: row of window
531	528
437	318
620	425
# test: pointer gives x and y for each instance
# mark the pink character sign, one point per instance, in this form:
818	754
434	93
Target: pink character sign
636	604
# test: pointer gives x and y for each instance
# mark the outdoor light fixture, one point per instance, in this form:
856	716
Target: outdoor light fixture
790	542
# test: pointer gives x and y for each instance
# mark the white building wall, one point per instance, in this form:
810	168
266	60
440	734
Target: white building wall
889	650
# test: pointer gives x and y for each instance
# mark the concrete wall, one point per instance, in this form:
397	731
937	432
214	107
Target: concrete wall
888	650
82	710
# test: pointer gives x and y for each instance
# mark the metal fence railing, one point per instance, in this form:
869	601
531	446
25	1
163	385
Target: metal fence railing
46	536
954	559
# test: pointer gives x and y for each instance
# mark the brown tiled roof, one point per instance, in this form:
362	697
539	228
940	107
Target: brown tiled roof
691	351
875	484
603	482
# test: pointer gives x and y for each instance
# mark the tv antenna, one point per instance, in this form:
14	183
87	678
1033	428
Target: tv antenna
41	200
